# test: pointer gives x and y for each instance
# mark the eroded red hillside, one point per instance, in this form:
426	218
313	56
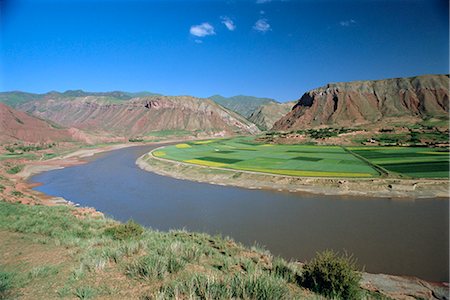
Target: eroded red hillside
366	102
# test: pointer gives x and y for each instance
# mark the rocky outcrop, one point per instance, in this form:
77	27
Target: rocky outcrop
368	102
140	116
267	114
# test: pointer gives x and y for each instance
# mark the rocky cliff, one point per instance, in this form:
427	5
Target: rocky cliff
368	102
139	116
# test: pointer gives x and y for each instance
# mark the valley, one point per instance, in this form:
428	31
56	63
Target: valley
89	152
221	149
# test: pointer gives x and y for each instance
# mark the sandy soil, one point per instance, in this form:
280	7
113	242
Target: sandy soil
378	187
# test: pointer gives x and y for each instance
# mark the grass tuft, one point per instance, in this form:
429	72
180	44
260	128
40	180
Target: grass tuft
85	292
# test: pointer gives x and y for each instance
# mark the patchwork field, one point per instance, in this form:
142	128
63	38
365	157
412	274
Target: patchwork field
309	160
297	160
408	162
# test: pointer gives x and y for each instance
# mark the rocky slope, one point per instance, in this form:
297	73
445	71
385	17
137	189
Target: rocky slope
267	114
366	102
243	105
18	126
139	116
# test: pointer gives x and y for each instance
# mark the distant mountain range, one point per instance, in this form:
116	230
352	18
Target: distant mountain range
369	102
139	116
243	105
16	98
267	114
88	116
263	112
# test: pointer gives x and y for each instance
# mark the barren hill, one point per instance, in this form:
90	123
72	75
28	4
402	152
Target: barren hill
267	114
139	116
19	126
367	102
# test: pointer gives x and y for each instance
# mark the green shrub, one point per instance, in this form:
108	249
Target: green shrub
15	169
17	194
6	284
125	231
332	275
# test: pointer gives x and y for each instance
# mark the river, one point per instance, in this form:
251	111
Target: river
401	237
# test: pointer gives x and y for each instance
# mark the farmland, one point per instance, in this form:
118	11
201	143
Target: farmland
311	161
408	162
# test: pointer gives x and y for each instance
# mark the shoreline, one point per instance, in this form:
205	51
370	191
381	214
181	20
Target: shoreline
382	188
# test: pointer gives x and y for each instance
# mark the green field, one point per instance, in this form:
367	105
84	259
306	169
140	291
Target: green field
309	160
409	162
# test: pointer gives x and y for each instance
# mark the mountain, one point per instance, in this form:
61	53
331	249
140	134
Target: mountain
243	105
366	102
16	98
19	126
139	116
267	114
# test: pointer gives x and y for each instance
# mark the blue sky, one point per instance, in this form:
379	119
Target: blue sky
278	49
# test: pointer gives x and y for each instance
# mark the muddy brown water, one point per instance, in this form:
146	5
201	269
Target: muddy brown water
401	237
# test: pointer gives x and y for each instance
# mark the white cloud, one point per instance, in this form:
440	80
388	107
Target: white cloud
347	23
262	1
261	25
198	41
228	23
202	30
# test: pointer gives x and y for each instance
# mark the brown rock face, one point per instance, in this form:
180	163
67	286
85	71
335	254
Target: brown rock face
140	116
367	102
19	126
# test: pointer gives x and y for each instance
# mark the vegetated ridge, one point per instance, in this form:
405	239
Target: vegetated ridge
243	105
16	98
19	126
267	114
139	116
412	99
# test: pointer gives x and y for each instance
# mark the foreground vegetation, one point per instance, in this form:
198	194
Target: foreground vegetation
312	160
47	252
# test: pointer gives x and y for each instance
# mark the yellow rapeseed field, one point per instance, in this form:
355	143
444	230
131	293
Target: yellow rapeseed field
182	146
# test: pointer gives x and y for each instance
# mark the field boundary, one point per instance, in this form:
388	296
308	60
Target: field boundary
380	170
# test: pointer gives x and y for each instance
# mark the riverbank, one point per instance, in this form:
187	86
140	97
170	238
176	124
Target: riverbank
378	187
